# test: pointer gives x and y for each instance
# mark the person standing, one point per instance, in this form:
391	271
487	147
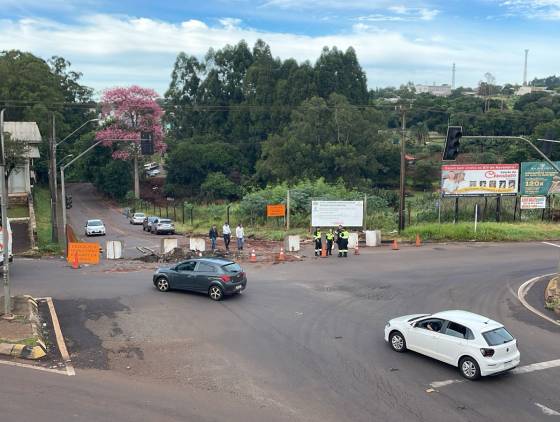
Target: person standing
213	235
343	244
317	238
240	235
330	239
337	236
226	232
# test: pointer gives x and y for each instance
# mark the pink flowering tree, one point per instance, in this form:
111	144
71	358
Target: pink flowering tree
126	113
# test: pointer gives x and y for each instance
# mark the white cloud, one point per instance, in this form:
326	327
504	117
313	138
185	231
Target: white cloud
401	13
534	9
113	50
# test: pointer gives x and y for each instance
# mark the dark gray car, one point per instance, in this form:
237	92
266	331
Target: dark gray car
215	277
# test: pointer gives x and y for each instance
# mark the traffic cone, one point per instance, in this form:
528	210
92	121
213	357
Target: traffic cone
356	249
418	241
253	257
323	251
281	257
395	245
75	263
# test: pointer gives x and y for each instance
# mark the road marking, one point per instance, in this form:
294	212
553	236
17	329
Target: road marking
519	370
60	339
536	367
522	292
551	244
547	410
38	368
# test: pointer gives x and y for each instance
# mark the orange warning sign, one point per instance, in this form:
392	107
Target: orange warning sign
275	210
88	253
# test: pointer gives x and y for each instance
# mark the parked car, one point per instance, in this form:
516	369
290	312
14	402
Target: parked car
95	227
2	243
477	345
154	172
137	218
216	277
163	226
147	223
151	166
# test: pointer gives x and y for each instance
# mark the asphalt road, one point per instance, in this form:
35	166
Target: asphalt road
304	342
88	204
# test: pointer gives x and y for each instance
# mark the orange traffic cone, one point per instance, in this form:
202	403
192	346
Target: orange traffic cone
395	245
281	257
75	263
356	249
323	251
418	241
253	257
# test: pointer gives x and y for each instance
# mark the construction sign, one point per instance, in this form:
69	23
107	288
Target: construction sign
87	253
278	210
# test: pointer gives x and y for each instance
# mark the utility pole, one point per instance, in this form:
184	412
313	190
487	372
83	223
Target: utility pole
5	231
403	171
52	183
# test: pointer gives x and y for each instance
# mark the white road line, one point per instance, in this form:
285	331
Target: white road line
547	410
551	244
536	367
38	368
60	339
522	292
519	370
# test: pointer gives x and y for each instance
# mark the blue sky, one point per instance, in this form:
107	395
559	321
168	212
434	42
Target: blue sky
116	43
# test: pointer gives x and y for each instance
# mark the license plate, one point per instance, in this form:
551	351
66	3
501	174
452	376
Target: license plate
238	287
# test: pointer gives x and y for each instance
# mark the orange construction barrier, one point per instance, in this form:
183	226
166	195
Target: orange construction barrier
356	249
281	257
418	241
253	257
75	263
395	245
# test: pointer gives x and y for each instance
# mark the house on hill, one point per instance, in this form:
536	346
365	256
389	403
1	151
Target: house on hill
22	178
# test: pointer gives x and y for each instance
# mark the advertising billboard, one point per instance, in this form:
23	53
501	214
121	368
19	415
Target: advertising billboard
533	202
334	213
539	179
479	179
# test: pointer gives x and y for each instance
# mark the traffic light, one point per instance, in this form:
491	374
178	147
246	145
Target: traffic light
147	143
451	148
68	201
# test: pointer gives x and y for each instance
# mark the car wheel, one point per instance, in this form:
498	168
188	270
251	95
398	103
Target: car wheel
397	342
469	368
216	293
162	284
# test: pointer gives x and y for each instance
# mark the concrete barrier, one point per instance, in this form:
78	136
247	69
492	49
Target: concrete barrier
373	237
197	244
168	244
292	243
115	249
352	240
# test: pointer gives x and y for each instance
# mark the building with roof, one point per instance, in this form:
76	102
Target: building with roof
22	177
437	90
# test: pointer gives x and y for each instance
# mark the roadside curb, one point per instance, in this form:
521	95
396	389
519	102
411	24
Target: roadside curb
24	351
524	289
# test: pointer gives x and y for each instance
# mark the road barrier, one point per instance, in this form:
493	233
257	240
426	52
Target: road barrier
292	243
168	244
373	237
115	249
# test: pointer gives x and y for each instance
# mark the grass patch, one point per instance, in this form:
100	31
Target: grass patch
18	211
31	341
486	232
42	202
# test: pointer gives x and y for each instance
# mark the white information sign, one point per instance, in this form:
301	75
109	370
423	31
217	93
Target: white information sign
533	202
334	213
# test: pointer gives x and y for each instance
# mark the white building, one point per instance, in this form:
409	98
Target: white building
437	90
27	132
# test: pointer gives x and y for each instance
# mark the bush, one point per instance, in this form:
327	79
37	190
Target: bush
218	186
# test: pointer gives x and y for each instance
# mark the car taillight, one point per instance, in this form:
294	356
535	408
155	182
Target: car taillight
225	278
242	273
487	353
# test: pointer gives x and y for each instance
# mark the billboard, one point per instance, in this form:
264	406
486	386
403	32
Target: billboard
334	213
533	202
539	179
479	179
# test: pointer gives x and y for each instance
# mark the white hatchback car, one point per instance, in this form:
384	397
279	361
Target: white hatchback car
137	218
477	345
95	227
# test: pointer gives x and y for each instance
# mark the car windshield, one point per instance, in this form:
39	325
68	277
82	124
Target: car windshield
232	268
497	336
415	318
139	214
95	223
165	221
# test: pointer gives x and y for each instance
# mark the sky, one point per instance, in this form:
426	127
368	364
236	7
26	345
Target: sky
126	42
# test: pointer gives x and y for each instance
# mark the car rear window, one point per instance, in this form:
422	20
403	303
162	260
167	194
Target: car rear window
165	221
138	214
232	268
497	336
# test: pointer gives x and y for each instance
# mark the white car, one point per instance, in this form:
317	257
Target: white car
95	227
477	345
137	218
153	172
